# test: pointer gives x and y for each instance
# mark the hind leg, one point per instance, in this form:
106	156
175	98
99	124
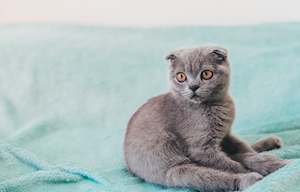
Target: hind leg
267	144
192	176
261	163
233	145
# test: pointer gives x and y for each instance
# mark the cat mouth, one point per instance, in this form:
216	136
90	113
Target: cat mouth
196	97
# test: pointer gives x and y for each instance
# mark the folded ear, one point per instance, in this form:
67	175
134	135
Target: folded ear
170	55
220	53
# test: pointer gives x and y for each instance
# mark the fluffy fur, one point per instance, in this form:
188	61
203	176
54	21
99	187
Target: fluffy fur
183	138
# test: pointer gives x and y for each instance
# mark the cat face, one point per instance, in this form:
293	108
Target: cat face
199	73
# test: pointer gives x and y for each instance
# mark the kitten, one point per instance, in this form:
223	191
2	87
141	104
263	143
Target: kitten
183	138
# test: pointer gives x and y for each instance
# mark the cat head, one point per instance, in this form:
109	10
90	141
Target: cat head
200	73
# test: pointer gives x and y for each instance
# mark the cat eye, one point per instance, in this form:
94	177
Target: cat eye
181	77
206	74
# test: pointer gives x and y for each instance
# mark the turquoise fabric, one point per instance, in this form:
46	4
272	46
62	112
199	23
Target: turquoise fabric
67	92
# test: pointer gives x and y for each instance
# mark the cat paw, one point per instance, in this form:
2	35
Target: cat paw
274	142
267	144
247	180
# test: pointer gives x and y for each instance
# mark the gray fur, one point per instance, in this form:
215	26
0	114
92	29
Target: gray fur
266	144
183	139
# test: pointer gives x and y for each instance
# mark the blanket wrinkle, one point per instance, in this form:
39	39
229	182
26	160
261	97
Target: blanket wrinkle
88	175
25	156
45	171
51	176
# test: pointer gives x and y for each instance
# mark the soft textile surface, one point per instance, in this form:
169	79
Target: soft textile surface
67	92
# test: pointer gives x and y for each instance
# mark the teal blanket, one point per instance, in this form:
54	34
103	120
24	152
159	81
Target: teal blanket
67	92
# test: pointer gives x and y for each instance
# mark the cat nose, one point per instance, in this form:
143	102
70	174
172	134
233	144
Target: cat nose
194	87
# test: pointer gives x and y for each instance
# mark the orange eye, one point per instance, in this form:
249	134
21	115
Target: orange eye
206	74
181	77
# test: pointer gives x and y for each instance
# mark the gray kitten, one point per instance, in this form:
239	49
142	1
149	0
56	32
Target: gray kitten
183	138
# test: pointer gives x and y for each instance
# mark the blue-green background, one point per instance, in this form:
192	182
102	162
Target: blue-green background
67	92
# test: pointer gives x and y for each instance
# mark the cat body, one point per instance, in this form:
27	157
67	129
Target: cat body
183	138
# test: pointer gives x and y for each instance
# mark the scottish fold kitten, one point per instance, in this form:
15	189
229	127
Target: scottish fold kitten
183	138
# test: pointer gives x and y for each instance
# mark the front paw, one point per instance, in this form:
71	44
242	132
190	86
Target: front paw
247	180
